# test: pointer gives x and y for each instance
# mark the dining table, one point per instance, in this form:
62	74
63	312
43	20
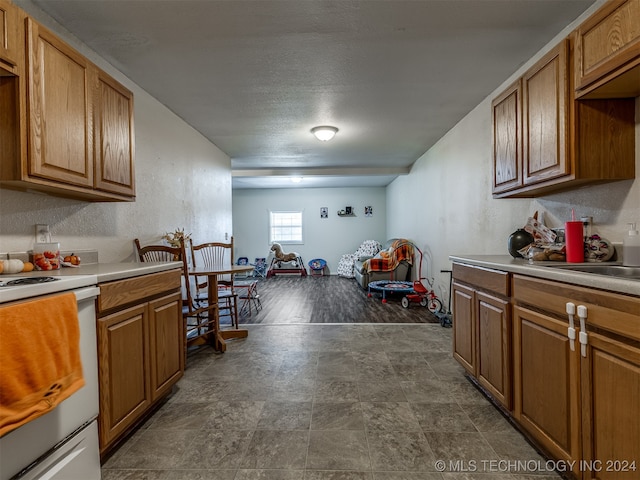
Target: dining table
212	272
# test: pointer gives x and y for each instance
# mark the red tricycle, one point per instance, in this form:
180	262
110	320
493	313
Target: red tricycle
425	296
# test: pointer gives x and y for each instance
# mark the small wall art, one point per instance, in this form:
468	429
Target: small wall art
368	211
324	212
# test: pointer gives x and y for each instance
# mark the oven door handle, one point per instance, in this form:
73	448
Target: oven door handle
86	293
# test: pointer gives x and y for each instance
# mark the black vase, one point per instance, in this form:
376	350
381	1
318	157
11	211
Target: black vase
517	240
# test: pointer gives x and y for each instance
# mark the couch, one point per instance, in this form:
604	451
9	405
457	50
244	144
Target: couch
393	262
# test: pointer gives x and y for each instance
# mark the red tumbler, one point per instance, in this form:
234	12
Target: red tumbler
574	238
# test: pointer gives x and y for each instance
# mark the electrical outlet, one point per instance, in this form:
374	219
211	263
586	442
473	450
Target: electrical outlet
43	234
226	235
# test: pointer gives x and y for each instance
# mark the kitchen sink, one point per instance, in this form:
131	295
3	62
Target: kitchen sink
631	273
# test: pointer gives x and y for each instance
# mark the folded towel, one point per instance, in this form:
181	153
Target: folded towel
40	362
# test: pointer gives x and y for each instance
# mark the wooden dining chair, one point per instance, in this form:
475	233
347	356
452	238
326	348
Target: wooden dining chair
199	318
210	254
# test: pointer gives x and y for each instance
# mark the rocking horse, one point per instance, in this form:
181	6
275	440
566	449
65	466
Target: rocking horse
279	257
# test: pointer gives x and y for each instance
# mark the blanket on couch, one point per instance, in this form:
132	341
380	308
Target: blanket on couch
387	260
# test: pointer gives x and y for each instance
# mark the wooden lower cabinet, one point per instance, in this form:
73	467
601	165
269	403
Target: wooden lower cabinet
125	387
167	354
140	350
546	383
482	328
493	332
579	405
464	326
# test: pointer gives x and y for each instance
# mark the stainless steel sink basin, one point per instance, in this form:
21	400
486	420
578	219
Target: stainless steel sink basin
632	273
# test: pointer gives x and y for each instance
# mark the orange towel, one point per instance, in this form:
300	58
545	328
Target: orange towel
39	358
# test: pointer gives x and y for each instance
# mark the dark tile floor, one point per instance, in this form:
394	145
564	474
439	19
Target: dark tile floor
328	402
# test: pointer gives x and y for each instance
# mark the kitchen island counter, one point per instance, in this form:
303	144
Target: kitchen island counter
547	271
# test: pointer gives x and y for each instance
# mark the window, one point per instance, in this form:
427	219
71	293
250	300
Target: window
285	227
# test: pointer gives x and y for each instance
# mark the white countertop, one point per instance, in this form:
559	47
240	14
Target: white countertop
545	270
84	275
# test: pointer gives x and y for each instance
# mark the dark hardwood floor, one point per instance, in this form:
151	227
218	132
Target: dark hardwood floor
328	299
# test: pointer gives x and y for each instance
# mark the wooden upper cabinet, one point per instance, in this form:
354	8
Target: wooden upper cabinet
10	41
59	109
507	139
566	143
607	62
545	117
68	126
114	138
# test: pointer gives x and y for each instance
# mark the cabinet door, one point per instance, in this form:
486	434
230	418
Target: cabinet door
607	42
545	96
611	409
123	351
464	326
114	145
546	383
494	346
167	341
507	139
59	110
9	36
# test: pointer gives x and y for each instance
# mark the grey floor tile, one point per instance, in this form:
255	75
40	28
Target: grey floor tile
390	417
400	451
269	475
386	390
337	416
324	402
442	417
273	449
285	416
338	450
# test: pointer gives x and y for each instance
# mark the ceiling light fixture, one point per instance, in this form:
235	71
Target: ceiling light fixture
324	132
296	179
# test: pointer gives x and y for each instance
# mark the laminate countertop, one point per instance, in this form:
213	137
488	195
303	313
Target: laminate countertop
548	271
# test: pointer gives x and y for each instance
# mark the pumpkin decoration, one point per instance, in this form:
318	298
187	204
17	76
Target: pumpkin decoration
12	266
73	259
28	267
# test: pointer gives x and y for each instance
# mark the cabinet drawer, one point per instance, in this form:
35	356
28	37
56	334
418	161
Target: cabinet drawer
610	311
130	290
483	278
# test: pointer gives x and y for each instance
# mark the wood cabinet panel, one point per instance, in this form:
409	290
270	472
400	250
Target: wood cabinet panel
608	50
507	139
123	292
10	51
123	365
545	117
494	346
59	106
114	137
611	389
614	312
483	278
546	383
165	327
464	326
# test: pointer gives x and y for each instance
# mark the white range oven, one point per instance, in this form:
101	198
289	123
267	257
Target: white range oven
62	444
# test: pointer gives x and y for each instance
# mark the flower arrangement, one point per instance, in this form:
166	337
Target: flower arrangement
176	238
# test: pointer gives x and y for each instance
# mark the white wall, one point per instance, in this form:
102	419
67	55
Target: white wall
449	194
182	181
327	238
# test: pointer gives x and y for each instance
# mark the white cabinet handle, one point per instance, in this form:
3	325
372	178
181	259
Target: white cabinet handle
582	314
571	331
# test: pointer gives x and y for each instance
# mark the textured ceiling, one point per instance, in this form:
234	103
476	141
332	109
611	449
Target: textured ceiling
255	76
